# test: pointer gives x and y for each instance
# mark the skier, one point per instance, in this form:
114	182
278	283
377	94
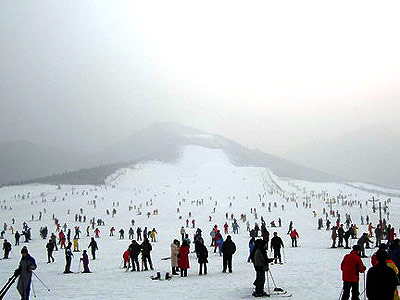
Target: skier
334	236
139	233
134	250
85	262
26	265
17	236
276	244
131	233
183	232
93	246
183	261
340	235
228	249
174	256
290	227
121	234
260	262
362	241
126	259
68	258
146	249
217	237
202	255
351	266
251	247
7	248
294	236
75	244
97	233
381	279
153	235
50	248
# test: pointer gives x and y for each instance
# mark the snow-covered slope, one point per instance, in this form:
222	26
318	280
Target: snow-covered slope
311	271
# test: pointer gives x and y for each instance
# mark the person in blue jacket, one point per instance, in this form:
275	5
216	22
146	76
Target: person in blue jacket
251	247
26	265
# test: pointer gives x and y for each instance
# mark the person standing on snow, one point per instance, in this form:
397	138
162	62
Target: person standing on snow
26	265
351	266
7	248
260	261
381	279
276	244
50	249
294	236
85	262
68	258
228	249
134	250
183	262
251	247
174	256
146	249
93	247
202	255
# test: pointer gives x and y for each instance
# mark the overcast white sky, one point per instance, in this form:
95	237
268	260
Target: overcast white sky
269	74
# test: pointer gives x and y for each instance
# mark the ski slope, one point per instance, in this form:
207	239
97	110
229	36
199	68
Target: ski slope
311	271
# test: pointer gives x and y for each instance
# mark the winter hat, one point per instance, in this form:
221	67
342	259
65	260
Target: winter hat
356	248
381	255
24	250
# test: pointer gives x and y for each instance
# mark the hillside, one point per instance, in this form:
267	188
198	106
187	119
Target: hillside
203	183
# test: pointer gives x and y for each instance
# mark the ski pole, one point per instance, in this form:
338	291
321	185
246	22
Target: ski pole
33	290
269	292
41	281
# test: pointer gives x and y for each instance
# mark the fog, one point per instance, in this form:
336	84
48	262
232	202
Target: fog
269	74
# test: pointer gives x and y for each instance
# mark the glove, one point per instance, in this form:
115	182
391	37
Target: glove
17	272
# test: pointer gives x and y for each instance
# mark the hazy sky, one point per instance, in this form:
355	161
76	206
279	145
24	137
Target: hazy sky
269	74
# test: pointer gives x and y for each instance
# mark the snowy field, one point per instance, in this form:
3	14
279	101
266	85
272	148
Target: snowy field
311	271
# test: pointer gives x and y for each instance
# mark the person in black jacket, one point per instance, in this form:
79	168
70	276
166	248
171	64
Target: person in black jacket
228	249
134	250
17	237
146	249
68	258
6	248
276	244
202	255
340	235
26	265
93	246
50	249
381	279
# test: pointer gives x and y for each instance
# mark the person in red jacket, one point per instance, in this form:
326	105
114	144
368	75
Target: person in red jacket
183	262
351	266
126	258
294	235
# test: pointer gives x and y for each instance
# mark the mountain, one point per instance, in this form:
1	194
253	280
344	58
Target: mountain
22	160
371	154
163	141
27	162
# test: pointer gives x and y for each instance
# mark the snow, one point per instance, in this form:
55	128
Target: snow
311	271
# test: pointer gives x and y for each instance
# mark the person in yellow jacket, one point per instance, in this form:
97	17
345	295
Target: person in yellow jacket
75	244
355	229
153	235
390	263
